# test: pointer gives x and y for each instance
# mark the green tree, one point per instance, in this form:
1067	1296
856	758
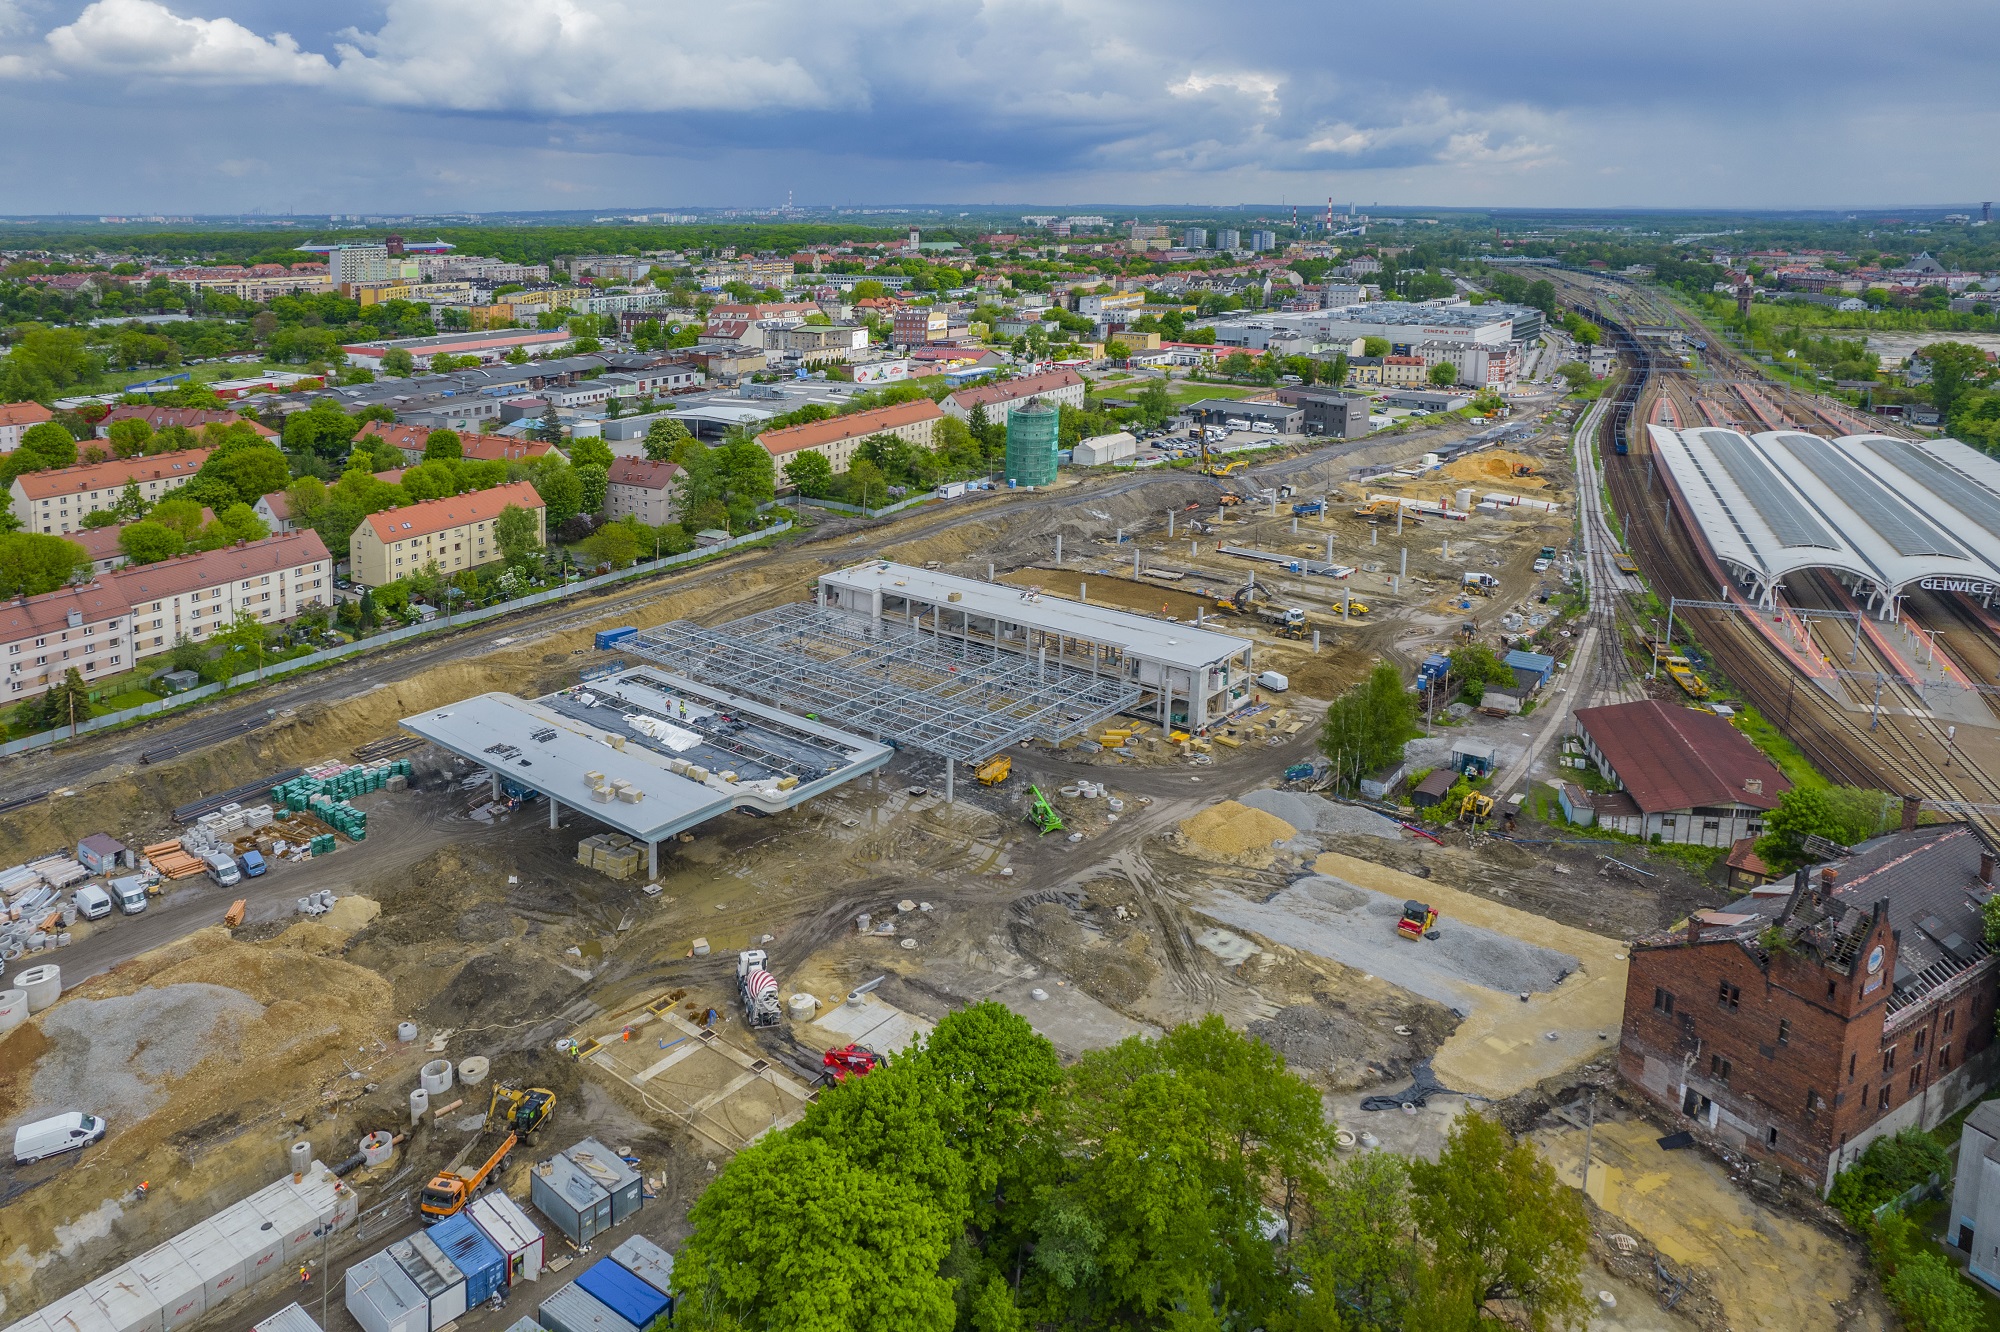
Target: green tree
594	482
615	544
662	438
397	361
42	447
32	563
1443	375
1356	1253
1375	346
560	488
514	532
1494	1220
1367	726
810	474
239	522
68	701
187	655
128	437
241	472
589	452
989	1073
1957	369
516	356
1931	1295
321	429
445	444
248	635
549	429
1802	812
149	542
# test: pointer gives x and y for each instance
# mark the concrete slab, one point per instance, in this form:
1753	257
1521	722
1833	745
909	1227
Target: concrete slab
874	1023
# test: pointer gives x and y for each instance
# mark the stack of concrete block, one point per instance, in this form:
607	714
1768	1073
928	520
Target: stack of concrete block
613	854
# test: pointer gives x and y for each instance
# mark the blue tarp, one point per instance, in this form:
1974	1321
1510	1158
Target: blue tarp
622	1293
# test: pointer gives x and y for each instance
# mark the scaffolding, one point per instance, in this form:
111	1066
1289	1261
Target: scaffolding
917	687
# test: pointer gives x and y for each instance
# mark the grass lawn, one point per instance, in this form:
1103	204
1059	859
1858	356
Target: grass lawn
1776	748
1185	393
131	698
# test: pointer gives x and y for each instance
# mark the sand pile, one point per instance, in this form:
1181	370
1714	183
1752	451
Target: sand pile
1496	465
113	1057
1231	831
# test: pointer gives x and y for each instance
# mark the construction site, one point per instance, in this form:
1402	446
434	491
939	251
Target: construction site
665	866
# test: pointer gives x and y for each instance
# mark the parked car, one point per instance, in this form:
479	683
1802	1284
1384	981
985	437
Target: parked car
53	1136
92	902
130	894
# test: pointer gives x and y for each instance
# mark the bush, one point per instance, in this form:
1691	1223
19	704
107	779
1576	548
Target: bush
1890	1167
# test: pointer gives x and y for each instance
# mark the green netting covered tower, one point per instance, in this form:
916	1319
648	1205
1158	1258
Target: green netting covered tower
1031	444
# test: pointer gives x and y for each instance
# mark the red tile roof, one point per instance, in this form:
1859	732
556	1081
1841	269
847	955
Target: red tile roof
1677	758
194	418
643	473
24	414
1011	390
112	475
856	425
402	436
438	515
25	617
213	568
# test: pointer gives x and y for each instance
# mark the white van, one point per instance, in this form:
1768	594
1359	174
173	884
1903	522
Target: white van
130	894
92	902
51	1137
222	869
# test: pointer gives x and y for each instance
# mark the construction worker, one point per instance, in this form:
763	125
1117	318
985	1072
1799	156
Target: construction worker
305	1275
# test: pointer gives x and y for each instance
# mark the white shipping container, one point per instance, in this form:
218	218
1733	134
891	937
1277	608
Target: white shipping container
382	1299
501	1220
435	1275
125	1301
214	1258
173	1283
291	1318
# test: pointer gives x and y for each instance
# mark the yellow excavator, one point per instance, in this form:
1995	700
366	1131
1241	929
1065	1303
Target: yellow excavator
1476	807
522	1112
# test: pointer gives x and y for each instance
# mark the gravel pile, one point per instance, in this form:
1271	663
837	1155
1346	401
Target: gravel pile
111	1057
1316	814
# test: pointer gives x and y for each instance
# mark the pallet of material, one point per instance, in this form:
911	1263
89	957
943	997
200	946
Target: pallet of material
174	863
59	871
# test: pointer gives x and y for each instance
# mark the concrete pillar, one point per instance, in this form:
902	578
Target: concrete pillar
1403	566
1083	591
1059	548
1135	564
948	766
652	860
1373	535
555	808
494	786
1170	524
1295	525
1315	642
989	573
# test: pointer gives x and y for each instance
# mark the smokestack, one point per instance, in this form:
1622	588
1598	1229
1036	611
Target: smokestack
1911	804
1827	875
1986	868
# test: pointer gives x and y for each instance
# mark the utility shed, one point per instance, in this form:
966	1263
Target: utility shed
291	1318
435	1275
1531	669
1433	788
571	1200
624	1294
612	1173
383	1299
101	853
1975	1196
508	1228
461	1241
572	1309
647	1261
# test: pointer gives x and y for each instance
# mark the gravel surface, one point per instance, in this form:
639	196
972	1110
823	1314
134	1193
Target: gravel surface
110	1057
1316	814
1357	926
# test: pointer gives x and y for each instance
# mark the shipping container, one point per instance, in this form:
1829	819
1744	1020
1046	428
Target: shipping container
607	638
574	1310
256	1238
479	1258
382	1299
126	1302
436	1276
502	1221
612	1173
571	1201
647	1261
214	1258
291	1318
173	1283
624	1294
76	1312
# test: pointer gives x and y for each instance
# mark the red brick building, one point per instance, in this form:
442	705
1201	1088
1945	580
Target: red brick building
1822	1011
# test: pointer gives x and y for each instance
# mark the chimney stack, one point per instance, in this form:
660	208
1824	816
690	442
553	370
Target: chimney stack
1911	804
1827	875
1986	868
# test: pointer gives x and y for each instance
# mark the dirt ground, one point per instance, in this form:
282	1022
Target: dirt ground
496	943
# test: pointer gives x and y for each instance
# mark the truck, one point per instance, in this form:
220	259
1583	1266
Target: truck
1480	584
1289	621
1309	509
222	869
449	1191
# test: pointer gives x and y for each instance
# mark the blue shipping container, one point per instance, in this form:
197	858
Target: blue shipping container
612	637
485	1267
624	1294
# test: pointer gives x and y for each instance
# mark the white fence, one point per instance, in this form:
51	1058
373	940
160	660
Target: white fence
45	739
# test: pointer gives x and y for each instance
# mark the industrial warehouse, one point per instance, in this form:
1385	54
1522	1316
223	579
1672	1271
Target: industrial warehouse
1874	511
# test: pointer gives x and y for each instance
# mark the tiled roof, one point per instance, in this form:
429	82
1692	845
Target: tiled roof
101	543
213	568
194	418
113	475
857	425
24	617
24	414
643	472
280	505
1010	390
438	515
1672	758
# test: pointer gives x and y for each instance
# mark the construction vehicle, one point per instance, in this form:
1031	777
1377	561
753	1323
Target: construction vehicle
1476	806
1683	672
757	988
995	770
851	1061
1625	563
521	1111
1419	918
1354	606
1309	509
1224	469
1548	553
1041	813
1288	621
449	1190
1228	499
1479	584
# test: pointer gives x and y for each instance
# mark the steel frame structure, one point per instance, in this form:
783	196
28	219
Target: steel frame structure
953	697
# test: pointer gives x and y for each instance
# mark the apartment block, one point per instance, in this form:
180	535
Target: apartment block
837	437
57	501
455	533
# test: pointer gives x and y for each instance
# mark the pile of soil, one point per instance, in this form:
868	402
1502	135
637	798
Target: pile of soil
1496	465
1236	832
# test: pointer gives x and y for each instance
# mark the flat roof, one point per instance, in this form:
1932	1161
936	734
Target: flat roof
635	726
1179	645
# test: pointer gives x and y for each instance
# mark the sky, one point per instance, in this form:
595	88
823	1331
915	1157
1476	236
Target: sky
216	106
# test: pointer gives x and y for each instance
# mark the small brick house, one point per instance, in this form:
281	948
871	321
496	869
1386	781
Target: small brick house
1852	1000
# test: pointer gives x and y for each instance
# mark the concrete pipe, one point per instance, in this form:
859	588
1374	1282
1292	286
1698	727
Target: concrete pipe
435	1077
42	984
472	1070
406	1032
420	1101
13	1009
302	1158
802	1006
376	1148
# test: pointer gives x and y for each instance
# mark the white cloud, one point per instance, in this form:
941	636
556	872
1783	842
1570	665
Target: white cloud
148	40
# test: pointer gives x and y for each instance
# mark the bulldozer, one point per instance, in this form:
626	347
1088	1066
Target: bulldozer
520	1111
1041	813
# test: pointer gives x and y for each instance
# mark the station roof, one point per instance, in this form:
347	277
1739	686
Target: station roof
1179	645
1889	511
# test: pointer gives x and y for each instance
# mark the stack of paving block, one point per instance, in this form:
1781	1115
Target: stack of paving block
323	845
614	854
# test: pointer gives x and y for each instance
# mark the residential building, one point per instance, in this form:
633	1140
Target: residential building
357	263
1061	388
1338	295
915	324
1408	371
454	533
15	418
1364	369
816	344
1478	364
1853	1000
837	437
88	628
1194	238
488	345
726	362
275	512
188	418
641	488
1227	239
1262	241
193	596
1110	303
56	501
1687	776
